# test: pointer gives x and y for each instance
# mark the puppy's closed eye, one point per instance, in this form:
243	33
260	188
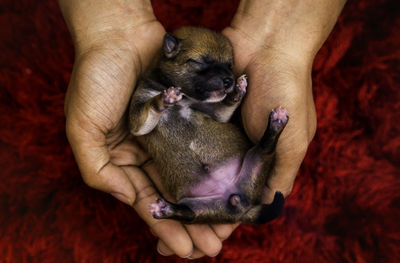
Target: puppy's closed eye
197	62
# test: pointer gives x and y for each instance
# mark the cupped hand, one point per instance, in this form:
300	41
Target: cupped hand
274	43
109	61
116	40
276	78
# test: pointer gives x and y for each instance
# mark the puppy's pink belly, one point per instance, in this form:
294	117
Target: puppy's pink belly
219	181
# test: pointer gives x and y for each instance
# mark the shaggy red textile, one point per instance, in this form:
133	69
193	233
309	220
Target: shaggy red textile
345	204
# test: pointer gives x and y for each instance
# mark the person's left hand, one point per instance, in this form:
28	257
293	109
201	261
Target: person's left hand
275	43
276	79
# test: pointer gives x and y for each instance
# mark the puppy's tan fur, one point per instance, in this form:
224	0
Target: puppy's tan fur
182	107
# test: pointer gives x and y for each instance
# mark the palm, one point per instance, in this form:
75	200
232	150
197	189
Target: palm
101	85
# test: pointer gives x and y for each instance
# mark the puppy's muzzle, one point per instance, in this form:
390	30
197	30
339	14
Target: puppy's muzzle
218	83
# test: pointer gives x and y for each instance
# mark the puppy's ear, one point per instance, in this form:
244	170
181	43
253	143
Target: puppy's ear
171	46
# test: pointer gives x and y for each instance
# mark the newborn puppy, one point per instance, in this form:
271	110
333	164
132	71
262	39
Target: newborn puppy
182	107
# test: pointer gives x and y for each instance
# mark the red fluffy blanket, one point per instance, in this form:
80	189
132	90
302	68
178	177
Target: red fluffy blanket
345	204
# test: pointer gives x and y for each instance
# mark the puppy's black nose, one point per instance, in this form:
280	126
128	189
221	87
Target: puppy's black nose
228	82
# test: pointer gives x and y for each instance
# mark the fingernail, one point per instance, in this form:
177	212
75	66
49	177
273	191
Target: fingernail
159	252
121	198
189	256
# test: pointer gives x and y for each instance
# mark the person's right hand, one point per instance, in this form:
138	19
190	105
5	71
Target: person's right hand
114	43
109	58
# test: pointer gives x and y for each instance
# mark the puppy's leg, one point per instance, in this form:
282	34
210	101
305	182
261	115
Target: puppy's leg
259	159
198	210
261	214
145	116
277	121
163	209
256	166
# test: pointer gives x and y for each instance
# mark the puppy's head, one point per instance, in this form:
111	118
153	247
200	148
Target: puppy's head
199	61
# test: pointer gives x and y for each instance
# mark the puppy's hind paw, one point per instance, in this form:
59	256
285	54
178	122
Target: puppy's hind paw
279	118
160	209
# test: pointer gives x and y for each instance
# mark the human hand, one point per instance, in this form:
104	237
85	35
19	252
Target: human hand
274	43
114	43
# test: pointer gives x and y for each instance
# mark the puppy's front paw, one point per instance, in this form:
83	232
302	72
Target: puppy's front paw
240	87
171	96
241	83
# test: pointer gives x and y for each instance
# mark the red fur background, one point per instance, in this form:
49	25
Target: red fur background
345	204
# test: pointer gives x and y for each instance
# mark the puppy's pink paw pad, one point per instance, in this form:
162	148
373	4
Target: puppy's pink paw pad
172	95
161	209
279	114
241	83
240	88
279	117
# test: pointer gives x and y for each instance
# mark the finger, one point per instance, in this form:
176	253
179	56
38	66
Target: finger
225	230
204	239
172	232
166	251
